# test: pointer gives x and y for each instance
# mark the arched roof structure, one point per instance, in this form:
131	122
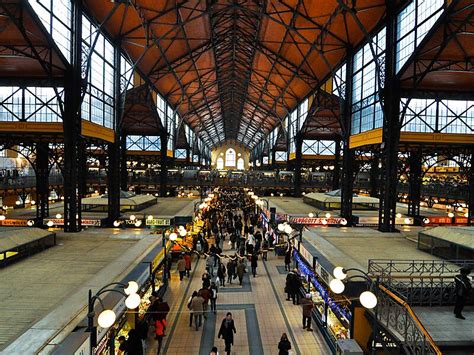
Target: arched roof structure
234	69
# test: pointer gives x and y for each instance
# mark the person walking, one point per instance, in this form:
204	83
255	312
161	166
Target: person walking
254	263
206	294
227	331
142	330
214	290
221	274
308	306
187	260
284	346
197	310
462	289
210	265
214	351
265	249
230	271
241	271
134	343
206	280
160	326
181	267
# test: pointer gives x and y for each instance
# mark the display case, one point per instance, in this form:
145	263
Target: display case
332	312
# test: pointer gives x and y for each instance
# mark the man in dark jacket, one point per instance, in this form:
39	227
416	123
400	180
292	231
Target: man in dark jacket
462	289
227	331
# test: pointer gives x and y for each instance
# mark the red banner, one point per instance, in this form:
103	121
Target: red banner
316	220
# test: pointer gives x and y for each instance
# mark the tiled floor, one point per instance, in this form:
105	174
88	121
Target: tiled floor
261	314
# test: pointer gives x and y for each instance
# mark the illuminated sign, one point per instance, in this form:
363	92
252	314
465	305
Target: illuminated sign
316	220
84	222
14	223
158	222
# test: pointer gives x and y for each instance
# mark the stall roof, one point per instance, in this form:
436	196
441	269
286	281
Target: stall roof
458	235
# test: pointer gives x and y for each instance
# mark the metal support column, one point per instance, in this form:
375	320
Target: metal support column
471	190
337	169
83	168
113	172
42	181
164	164
72	128
298	163
414	188
374	175
123	162
348	156
391	128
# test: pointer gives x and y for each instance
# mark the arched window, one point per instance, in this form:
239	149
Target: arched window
240	164
220	163
230	157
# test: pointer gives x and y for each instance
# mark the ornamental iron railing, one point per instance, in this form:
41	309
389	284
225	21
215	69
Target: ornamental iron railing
421	282
397	317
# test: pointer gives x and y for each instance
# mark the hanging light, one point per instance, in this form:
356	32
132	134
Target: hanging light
50	223
426	220
150	217
288	229
138	223
132	217
116	223
339	273
33	202
106	318
311	215
450	214
30	223
324	222
337	286
173	236
398	215
328	215
18	203
58	216
343	222
368	299
183	232
2	217
281	227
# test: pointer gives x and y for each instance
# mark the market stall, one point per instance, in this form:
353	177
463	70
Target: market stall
332	313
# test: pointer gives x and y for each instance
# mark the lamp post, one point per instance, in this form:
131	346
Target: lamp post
368	298
107	317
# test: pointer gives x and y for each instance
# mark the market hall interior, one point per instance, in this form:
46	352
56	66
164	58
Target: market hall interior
326	147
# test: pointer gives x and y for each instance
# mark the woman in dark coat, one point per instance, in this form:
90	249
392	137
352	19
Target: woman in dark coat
284	345
227	331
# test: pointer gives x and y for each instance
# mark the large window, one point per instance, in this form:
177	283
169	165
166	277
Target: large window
445	116
413	23
366	109
180	153
98	104
220	163
56	16
41	104
230	157
316	147
145	143
280	155
240	164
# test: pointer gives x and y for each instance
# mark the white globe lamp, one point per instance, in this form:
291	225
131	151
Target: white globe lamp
281	227
131	288
132	301
173	236
337	286
368	299
288	229
339	273
106	318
